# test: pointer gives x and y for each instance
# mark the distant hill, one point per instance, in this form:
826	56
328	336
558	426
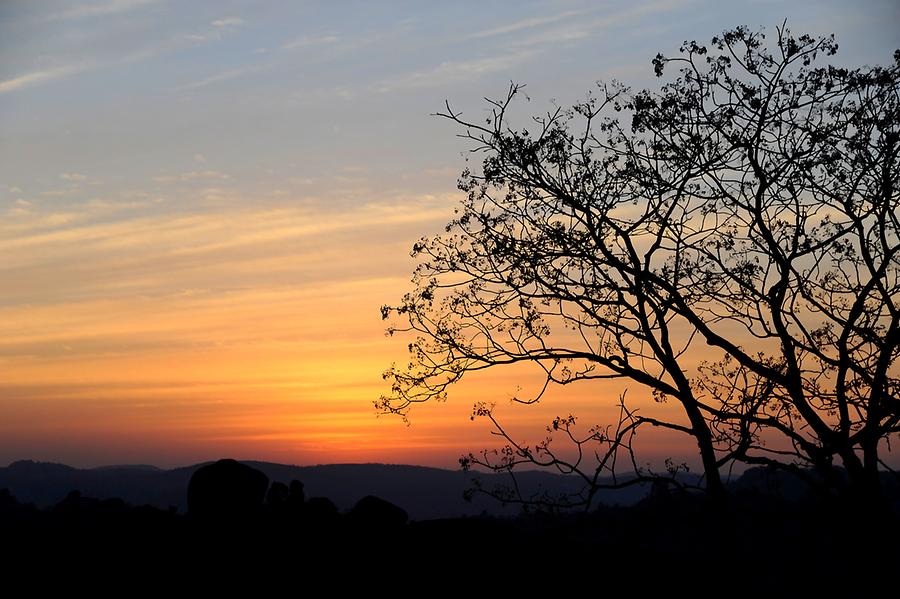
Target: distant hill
425	493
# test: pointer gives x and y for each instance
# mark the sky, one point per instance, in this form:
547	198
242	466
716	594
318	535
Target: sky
204	204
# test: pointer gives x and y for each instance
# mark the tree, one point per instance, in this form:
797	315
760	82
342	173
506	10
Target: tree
749	206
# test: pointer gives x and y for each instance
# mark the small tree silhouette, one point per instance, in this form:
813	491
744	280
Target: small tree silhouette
748	207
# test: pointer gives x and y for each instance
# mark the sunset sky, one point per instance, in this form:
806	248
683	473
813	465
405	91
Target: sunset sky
203	206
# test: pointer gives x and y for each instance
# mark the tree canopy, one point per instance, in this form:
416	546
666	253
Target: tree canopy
747	209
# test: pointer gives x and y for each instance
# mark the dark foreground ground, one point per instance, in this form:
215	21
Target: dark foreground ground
671	543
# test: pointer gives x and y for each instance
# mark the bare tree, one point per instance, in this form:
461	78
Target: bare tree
595	458
746	210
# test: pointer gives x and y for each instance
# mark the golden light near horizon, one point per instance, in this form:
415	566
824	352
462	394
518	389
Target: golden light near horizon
202	209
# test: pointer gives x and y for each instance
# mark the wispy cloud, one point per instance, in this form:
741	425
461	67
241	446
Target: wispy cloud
228	22
99	9
307	41
527	47
110	249
568	29
40	76
192	176
454	71
525	24
555	35
218	78
76	180
158	48
74	177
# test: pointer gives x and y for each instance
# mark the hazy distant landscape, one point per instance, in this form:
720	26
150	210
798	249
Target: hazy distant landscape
425	493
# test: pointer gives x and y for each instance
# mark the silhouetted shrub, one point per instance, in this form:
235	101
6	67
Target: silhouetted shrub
374	511
226	489
278	495
296	496
321	510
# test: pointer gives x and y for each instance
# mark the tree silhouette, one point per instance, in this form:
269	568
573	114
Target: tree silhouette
728	242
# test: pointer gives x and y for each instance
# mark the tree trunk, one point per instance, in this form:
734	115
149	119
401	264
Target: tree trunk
715	488
865	480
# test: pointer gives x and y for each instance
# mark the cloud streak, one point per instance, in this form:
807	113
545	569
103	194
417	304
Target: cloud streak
529	23
192	176
218	78
112	248
100	9
154	49
228	22
454	71
307	41
40	76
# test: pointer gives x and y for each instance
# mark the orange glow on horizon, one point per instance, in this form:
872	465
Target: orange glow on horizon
149	368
